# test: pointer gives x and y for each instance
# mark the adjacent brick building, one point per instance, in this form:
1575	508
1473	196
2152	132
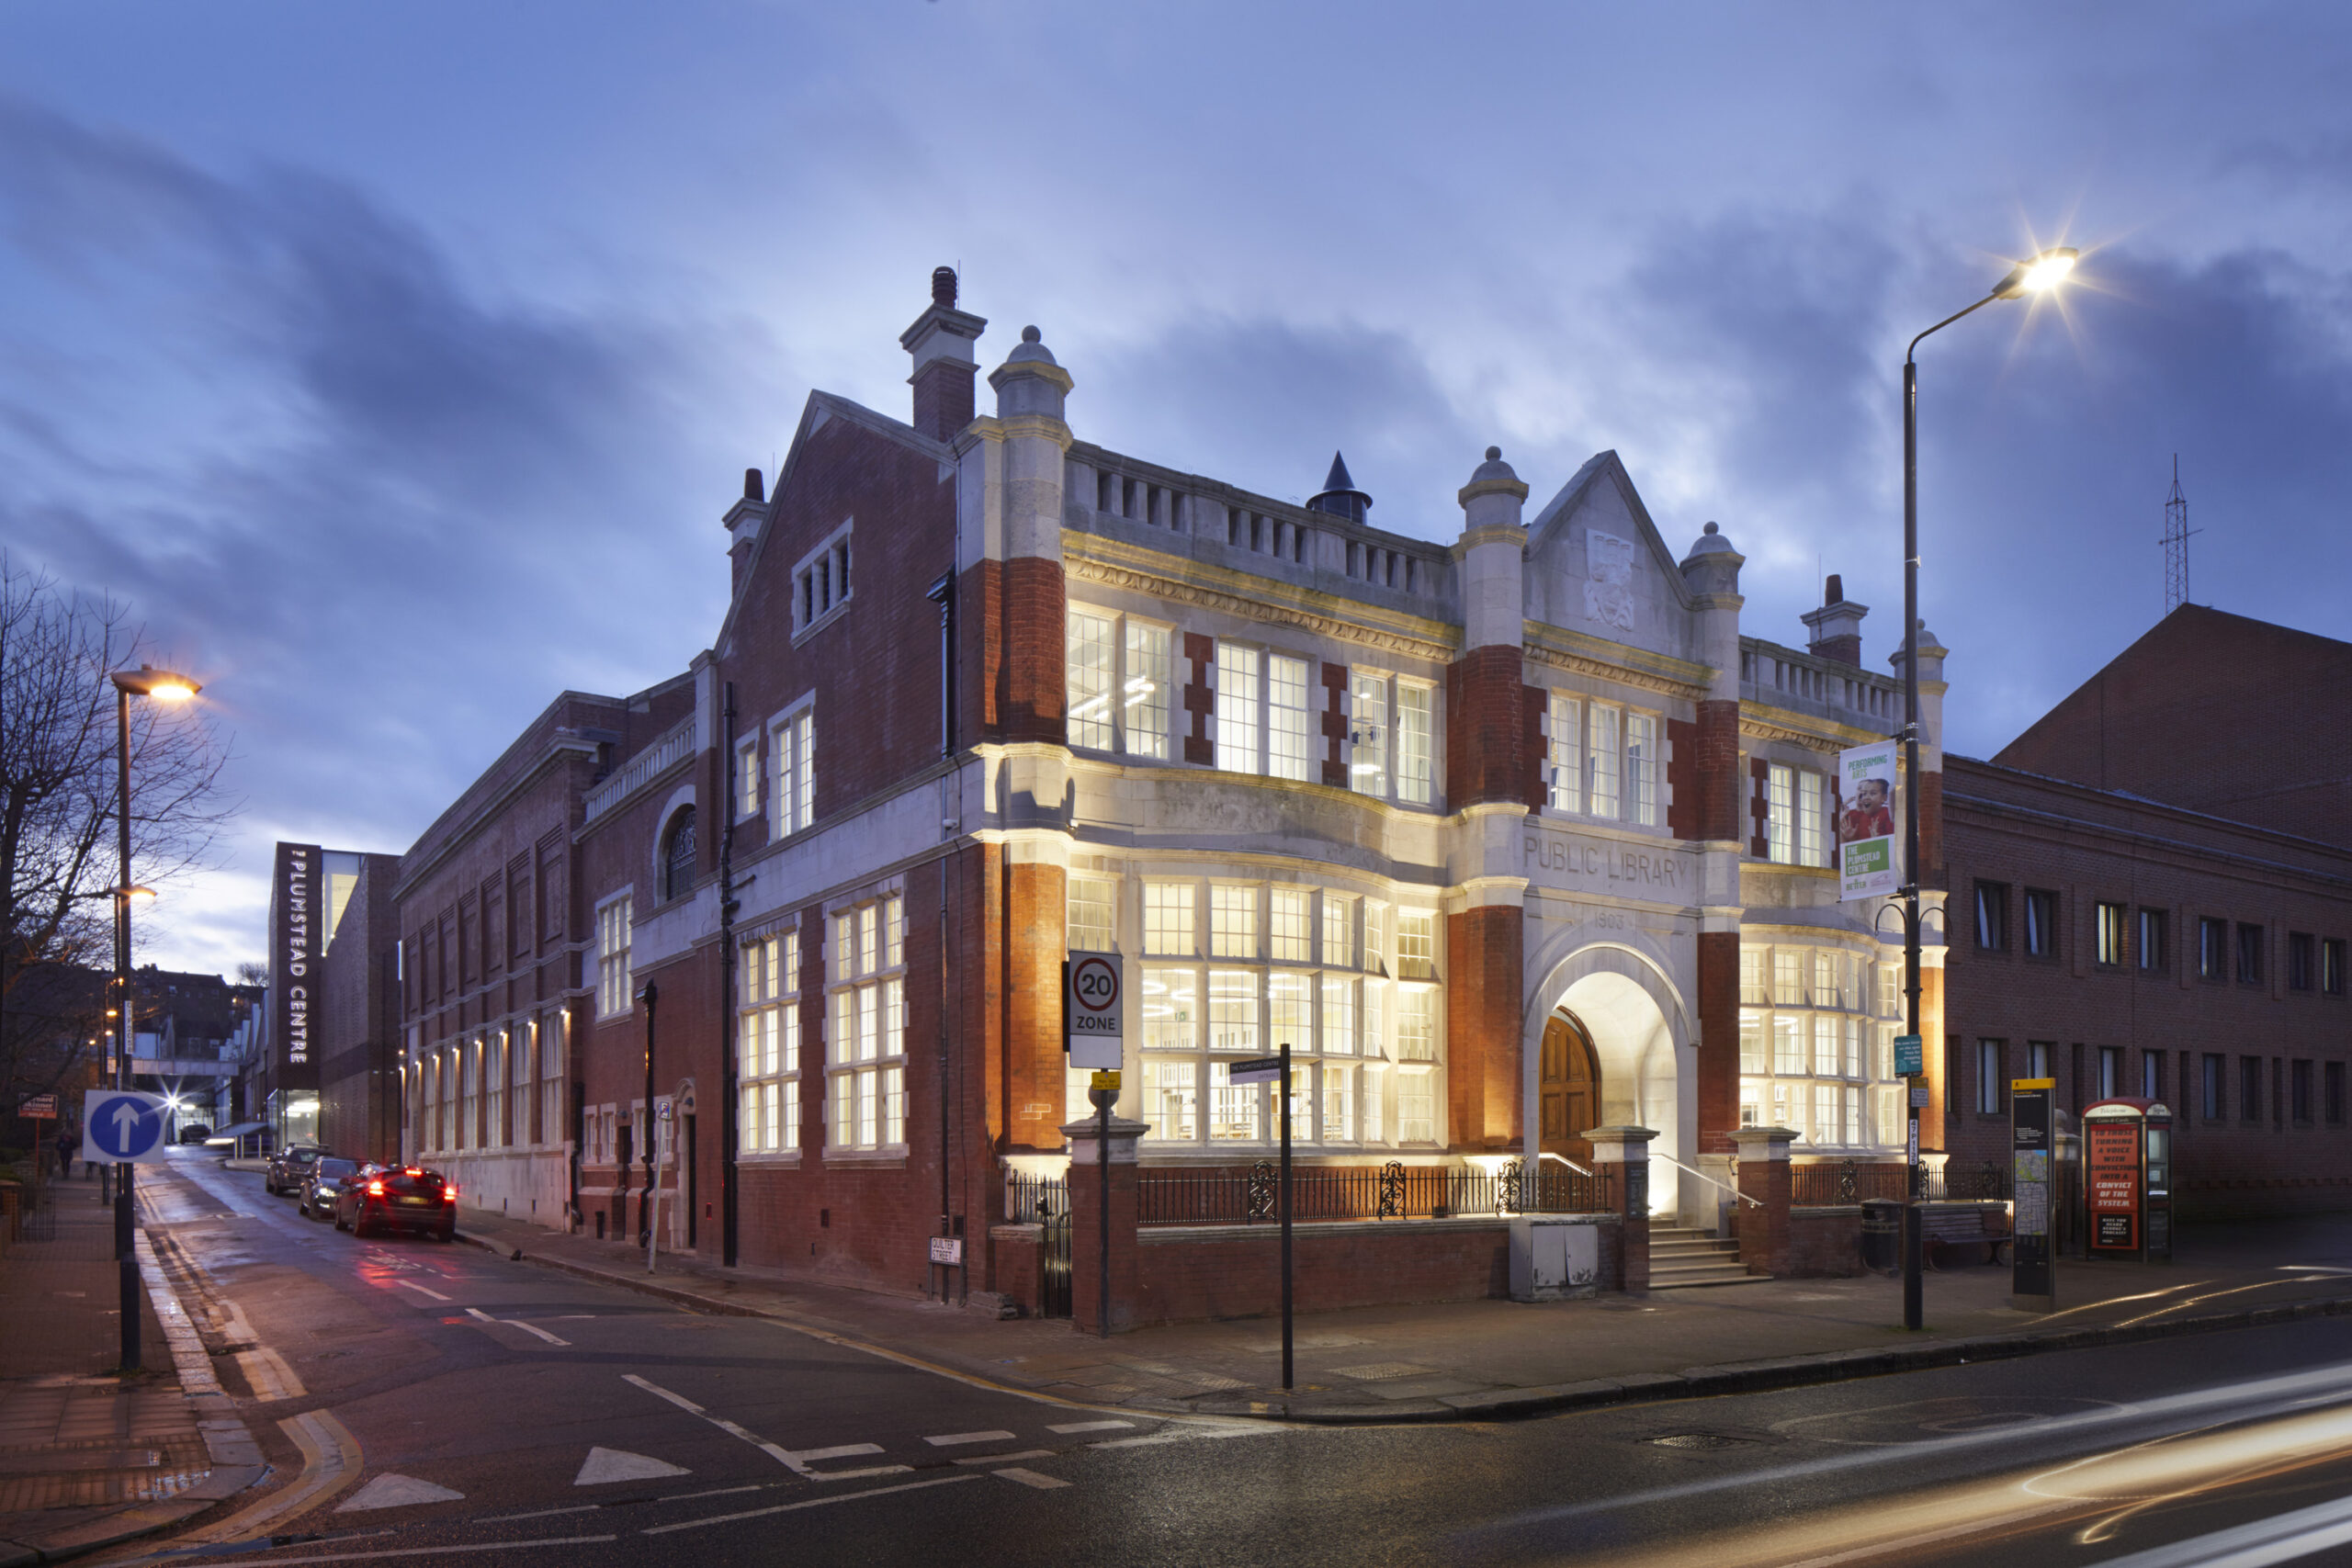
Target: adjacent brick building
2151	895
1511	840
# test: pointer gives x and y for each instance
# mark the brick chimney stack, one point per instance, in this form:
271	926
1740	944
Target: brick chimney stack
1836	626
944	371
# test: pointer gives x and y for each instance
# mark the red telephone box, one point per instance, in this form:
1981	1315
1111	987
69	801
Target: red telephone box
2127	1180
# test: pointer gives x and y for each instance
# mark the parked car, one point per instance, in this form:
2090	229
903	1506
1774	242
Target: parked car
195	1133
393	1197
289	1167
328	1173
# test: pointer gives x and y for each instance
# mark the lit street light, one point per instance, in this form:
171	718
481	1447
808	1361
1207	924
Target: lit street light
164	686
2037	274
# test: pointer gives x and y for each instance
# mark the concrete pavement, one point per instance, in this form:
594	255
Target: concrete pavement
89	1455
1477	1360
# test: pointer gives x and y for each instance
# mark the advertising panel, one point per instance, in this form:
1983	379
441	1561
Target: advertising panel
2032	1275
2111	1182
1868	864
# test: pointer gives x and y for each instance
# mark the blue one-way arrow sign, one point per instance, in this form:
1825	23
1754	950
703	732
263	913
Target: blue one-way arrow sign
122	1126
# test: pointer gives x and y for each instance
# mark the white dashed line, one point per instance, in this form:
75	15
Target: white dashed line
434	1550
534	1329
421	1290
1030	1478
816	1502
1006	1459
847	1450
782	1456
1073	1427
950	1440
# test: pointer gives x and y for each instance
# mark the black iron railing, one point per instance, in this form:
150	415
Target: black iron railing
1833	1183
1395	1190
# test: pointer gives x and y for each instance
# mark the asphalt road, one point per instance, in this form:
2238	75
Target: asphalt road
505	1414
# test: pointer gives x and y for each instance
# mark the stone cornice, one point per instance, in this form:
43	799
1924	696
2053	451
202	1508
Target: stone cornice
1762	723
1557	648
1091	557
1510	534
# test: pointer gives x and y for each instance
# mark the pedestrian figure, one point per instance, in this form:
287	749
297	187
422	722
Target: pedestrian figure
68	1143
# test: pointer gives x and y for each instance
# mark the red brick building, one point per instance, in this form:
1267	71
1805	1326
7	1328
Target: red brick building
2147	901
1513	840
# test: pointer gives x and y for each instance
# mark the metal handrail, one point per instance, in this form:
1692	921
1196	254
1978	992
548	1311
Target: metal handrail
1709	1180
1563	1159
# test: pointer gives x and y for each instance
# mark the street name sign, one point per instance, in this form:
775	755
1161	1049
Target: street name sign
1257	1069
121	1126
1092	989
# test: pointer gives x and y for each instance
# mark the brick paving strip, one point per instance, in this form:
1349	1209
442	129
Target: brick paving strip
1489	1359
88	1458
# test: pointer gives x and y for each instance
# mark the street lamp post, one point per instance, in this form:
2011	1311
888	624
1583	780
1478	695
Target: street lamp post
2040	274
164	686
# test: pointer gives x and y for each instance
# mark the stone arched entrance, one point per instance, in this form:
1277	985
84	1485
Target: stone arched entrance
1620	1006
1569	1089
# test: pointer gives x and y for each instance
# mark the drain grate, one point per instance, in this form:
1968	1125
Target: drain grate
1696	1440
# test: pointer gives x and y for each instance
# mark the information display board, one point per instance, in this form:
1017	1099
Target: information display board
2032	1279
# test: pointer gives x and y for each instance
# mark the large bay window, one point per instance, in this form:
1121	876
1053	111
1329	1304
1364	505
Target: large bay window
768	1070
1309	968
866	1028
1816	1049
1117	672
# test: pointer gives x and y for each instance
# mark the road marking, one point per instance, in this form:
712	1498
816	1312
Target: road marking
1030	1478
604	1466
1068	1428
782	1456
1006	1459
477	1312
951	1439
424	1290
513	1323
271	1377
810	1503
422	1551
391	1491
847	1450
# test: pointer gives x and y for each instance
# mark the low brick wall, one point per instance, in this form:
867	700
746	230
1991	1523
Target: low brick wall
1185	1273
1017	1259
1826	1242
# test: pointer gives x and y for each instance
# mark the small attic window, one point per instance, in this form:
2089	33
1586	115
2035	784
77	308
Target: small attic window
820	583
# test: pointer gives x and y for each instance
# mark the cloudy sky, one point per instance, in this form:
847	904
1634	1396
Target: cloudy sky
395	363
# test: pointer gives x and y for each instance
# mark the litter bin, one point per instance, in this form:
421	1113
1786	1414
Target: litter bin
1882	1235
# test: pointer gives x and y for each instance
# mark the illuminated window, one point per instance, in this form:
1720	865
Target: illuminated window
1564	748
613	994
1093	923
768	1065
866	1035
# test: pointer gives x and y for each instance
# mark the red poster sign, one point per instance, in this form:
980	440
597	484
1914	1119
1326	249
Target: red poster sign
2111	1162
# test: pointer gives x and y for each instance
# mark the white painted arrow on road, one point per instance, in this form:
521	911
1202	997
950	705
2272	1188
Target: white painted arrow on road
618	1464
396	1492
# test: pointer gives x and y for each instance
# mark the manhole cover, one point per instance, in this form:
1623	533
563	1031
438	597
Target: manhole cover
1696	1440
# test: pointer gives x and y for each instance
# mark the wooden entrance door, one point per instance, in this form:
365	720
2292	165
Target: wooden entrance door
1569	1090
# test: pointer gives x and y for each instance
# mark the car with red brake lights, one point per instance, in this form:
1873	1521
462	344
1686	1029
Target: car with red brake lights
394	1197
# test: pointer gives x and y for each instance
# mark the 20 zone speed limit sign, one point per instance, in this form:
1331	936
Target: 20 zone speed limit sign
1092	988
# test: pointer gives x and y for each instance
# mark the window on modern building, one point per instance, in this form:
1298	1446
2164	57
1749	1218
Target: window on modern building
2299	1091
795	772
2332	1092
2249	953
2153	956
768	1072
2110	935
2212	948
1093	914
1641	770
2110	1071
2249	1089
1991	917
678	855
2301	960
2212	1103
865	1044
1238	671
1990	1055
613	994
2331	966
1564	748
2040	923
2151	1074
1290	965
2037	1056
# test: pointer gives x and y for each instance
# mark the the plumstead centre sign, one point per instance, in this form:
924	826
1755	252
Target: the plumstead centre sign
298	916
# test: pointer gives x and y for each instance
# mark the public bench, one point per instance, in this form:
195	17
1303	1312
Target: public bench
1953	1235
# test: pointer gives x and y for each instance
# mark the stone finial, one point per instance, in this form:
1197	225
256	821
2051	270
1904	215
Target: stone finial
1029	381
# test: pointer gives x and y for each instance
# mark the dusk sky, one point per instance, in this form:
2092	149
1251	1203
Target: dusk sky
396	364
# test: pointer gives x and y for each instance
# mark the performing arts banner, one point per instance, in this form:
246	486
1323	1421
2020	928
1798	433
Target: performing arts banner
1868	863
